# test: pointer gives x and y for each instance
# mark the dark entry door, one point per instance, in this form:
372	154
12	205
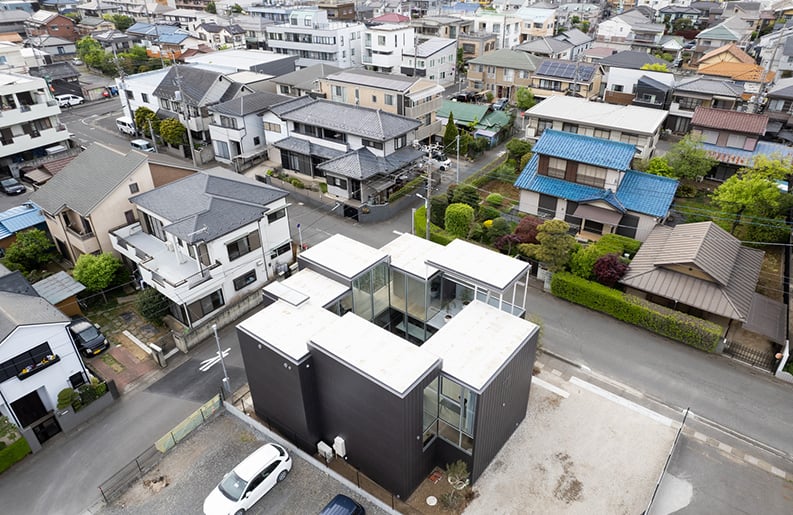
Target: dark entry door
29	409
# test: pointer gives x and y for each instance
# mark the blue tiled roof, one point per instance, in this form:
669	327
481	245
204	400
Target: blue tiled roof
173	39
742	157
585	149
638	192
19	218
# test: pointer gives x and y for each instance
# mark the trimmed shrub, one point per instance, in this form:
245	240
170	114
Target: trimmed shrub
582	263
13	453
409	187
459	218
466	194
620	244
495	199
675	325
152	305
297	183
526	231
686	191
438	205
437	234
499	228
65	398
487	213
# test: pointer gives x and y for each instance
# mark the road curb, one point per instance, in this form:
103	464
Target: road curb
563	359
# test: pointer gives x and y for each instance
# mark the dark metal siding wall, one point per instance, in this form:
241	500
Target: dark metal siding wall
282	395
382	432
502	406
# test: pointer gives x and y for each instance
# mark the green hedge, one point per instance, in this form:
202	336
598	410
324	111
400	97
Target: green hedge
672	324
437	234
13	453
407	188
624	243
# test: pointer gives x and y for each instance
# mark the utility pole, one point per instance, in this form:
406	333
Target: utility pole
186	111
458	158
429	190
153	139
123	77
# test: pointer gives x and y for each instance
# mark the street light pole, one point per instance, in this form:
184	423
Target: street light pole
458	158
226	382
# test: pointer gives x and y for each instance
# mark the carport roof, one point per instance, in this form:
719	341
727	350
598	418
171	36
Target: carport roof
58	287
478	342
286	328
368	349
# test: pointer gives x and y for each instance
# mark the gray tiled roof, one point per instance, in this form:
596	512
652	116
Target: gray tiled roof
290	105
58	287
17	310
544	46
433	45
363	164
305	77
306	148
707	249
782	89
361	121
216	199
196	82
87	180
249	104
573	36
710	86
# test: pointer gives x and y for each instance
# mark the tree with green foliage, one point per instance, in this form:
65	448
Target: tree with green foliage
753	192
656	67
451	133
74	16
173	132
681	24
658	165
96	273
517	148
152	305
236	9
438	205
121	21
31	250
466	194
460	60
458	219
585	26
211	8
555	247
524	98
498	228
689	159
144	115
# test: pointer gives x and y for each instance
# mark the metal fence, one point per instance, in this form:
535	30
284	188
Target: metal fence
765	360
113	487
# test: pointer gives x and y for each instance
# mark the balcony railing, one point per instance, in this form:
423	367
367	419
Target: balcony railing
80	235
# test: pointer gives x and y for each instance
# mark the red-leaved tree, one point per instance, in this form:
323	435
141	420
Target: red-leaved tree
609	269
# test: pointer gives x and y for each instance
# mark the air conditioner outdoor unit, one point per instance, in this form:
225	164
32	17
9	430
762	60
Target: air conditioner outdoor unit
325	451
339	446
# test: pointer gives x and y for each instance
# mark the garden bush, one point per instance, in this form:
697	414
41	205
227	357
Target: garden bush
408	187
438	205
297	183
152	305
13	453
686	191
495	199
620	244
437	234
675	325
466	194
500	227
65	398
459	218
487	213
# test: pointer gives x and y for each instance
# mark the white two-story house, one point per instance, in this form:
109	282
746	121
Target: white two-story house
207	240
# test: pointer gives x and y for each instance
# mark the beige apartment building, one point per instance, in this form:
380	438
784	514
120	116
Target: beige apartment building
502	72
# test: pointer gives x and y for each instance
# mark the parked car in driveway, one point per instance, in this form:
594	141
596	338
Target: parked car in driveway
69	100
88	337
500	104
440	161
11	186
256	475
342	505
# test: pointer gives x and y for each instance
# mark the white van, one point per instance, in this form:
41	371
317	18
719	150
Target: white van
142	145
126	125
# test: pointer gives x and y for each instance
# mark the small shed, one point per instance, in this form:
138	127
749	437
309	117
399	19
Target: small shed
61	291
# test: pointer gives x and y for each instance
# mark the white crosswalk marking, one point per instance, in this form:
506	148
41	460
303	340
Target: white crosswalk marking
209	363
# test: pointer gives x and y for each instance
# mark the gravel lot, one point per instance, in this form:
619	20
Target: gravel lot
193	468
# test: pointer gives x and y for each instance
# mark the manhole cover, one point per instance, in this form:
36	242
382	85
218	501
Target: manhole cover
432	500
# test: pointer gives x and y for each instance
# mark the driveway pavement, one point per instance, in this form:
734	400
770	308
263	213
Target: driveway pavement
194	467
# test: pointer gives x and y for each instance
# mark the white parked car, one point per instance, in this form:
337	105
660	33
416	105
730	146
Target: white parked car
69	100
241	488
440	161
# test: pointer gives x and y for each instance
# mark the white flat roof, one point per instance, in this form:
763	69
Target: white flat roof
242	59
286	328
642	120
343	255
477	342
371	350
409	253
319	289
481	265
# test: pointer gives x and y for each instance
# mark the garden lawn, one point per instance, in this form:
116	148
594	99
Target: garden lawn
510	193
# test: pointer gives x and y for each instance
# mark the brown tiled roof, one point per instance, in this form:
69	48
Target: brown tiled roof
730	120
738	71
731	49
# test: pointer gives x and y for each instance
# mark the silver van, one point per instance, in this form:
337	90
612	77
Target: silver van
142	145
125	125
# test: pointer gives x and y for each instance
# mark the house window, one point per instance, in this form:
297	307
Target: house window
736	140
546	208
201	308
402	141
272	127
456	409
133	187
280	251
144	97
276	215
647	97
374	99
153	226
244	245
570	127
15	365
618	88
381	40
388	100
591	175
130	94
602	133
284	90
542	125
228	122
337	182
244	280
709	136
627	137
556	167
689	104
593	227
372	144
222	149
256	140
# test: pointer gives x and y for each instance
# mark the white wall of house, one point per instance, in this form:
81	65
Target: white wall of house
249	134
625	80
613	30
50	381
505	26
384	45
330	42
141	87
439	66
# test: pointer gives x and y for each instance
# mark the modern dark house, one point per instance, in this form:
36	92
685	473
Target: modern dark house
399	396
652	93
